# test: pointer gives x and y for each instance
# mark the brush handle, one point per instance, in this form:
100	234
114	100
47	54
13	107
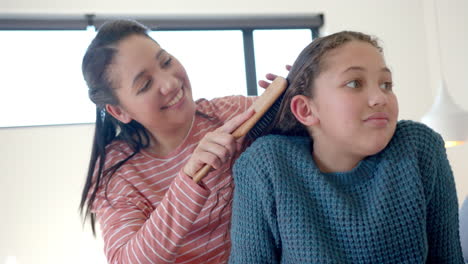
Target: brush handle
260	106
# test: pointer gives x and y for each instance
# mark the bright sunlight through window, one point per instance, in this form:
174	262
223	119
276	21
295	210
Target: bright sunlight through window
42	83
276	48
214	60
41	78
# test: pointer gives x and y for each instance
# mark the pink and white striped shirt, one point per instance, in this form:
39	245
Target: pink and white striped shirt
154	213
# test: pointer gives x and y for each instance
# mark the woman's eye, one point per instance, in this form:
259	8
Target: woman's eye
387	86
145	86
353	84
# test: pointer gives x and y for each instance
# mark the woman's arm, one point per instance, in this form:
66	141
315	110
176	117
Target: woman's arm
135	232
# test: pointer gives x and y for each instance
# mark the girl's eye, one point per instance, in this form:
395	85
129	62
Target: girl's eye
167	62
387	86
145	86
353	84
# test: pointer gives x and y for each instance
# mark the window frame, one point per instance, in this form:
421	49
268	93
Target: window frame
247	24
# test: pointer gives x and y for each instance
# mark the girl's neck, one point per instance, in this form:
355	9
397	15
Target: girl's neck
333	160
162	144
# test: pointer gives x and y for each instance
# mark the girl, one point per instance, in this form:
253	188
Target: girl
360	187
139	185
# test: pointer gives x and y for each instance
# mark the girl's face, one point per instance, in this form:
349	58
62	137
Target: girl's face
151	85
353	101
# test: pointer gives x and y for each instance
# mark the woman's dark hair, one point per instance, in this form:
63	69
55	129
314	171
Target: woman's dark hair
308	65
95	67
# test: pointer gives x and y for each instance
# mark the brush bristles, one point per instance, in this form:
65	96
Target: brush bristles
265	122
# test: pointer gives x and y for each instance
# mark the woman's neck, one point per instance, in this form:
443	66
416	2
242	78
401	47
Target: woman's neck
163	143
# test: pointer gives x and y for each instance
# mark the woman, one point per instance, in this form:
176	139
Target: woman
150	138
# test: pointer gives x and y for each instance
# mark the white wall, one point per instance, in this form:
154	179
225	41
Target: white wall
43	168
453	37
42	172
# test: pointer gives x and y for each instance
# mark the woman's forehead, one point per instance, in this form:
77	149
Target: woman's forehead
135	45
134	54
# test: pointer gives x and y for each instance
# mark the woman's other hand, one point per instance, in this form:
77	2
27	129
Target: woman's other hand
270	77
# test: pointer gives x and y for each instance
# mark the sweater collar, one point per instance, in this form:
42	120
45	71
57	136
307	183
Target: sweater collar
363	171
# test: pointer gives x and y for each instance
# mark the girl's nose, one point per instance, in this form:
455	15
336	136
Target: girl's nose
377	97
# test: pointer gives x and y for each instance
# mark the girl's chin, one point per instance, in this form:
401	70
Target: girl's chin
377	147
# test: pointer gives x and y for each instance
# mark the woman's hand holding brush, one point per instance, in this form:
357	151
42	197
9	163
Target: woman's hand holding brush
264	111
217	147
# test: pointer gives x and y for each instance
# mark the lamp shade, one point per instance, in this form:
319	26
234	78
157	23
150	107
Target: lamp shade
447	118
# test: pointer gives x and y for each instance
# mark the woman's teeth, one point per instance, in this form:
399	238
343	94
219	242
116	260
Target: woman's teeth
176	99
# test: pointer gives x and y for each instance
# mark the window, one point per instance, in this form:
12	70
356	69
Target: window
213	60
42	82
41	78
276	48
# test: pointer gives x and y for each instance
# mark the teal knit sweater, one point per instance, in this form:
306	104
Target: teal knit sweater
398	206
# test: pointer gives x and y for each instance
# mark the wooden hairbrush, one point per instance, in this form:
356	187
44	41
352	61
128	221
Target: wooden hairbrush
266	106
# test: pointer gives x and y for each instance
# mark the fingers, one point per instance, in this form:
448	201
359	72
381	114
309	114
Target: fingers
263	84
193	166
215	149
235	122
217	155
221	145
240	143
270	77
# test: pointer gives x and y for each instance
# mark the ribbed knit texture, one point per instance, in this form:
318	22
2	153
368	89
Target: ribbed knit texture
152	212
398	206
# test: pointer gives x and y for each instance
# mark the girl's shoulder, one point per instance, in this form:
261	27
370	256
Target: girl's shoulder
271	154
416	133
278	145
414	127
281	139
417	138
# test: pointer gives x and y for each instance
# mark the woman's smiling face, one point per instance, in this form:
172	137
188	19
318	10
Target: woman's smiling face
151	85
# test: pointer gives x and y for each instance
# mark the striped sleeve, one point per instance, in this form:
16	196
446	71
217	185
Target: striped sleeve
227	107
135	232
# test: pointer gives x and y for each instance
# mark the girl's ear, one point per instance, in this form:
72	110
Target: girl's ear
118	113
302	108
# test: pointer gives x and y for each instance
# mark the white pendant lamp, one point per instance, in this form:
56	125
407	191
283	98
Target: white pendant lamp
445	116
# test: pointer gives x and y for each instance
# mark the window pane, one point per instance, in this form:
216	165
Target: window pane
276	48
41	78
214	60
42	82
